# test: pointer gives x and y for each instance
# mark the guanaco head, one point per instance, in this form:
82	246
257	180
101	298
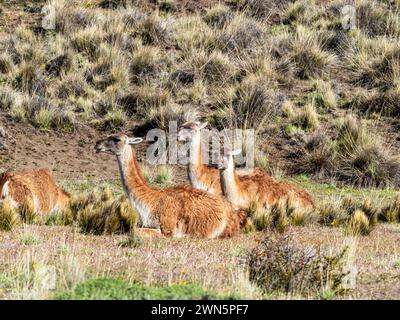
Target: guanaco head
227	160
189	129
115	144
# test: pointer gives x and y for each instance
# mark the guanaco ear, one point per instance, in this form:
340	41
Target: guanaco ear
134	140
235	152
203	125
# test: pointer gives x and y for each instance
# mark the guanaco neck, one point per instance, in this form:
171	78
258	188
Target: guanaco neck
229	181
196	160
135	186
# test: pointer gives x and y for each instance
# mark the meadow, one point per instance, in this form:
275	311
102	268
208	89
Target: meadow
324	103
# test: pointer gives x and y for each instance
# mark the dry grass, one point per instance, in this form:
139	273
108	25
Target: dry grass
9	217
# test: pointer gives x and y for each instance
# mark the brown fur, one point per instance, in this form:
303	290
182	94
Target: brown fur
178	211
208	178
261	188
149	232
37	184
267	191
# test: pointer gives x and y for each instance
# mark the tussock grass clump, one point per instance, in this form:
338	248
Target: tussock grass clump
263	9
354	157
305	117
258	218
372	101
317	156
374	19
156	31
255	103
323	95
113	119
306	52
9	98
143	98
60	64
134	240
379	70
358	224
30	79
218	16
217	68
79	203
159	117
100	213
241	35
145	64
363	161
284	213
6	63
87	41
9	217
108	218
164	176
391	212
303	11
357	218
28	212
278	265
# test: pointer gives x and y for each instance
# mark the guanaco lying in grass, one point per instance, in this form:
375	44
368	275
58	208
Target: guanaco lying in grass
257	187
177	211
35	185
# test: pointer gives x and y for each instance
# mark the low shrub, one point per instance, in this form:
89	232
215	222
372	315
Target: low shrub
278	265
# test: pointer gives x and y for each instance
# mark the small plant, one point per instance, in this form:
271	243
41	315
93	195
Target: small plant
358	224
258	218
218	16
306	117
28	239
279	212
27	211
308	56
106	194
241	35
278	265
167	5
164	176
254	105
134	240
261	160
43	118
390	213
112	120
56	219
9	217
323	95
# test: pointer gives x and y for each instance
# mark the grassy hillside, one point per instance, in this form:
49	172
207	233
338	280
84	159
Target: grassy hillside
323	100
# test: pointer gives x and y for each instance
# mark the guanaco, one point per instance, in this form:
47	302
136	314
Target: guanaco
201	176
177	211
257	187
36	184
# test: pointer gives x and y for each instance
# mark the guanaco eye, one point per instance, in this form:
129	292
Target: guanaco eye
116	139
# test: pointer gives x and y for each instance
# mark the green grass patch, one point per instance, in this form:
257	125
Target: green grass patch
115	289
328	189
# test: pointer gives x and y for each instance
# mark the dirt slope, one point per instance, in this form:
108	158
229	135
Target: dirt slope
67	155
